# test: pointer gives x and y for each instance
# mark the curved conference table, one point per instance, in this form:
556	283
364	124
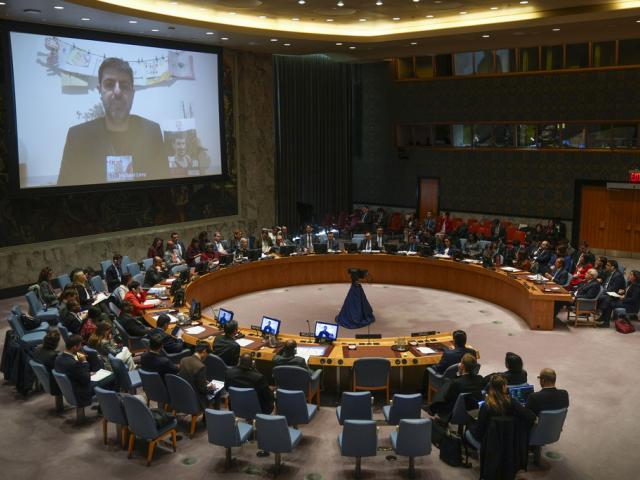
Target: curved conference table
533	302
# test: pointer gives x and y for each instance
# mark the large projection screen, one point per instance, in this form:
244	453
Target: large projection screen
97	113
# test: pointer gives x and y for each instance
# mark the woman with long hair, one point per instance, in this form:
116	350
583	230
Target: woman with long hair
47	295
102	341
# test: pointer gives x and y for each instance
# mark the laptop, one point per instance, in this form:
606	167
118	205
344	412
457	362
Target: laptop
320	248
521	393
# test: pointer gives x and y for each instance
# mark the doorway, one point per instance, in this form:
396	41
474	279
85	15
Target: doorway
428	197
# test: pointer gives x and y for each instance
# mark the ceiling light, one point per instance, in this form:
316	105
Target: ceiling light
395	19
429	16
637	21
57	7
437	1
209	33
463	13
329	19
155	29
301	2
416	1
262	16
274	39
362	19
352	48
85	19
232	13
379	2
486	35
133	21
414	43
339	43
555	30
287	44
493	8
340	3
224	38
295	19
524	2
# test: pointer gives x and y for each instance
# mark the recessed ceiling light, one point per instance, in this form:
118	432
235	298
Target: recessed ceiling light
493	8
414	43
437	1
155	29
173	3
209	33
133	21
338	43
262	16
295	19
486	35
224	38
362	19
429	16
287	44
555	29
274	40
379	2
352	48
395	19
301	2
232	13
57	7
85	19
340	4
463	13
637	21
416	1
329	19
524	2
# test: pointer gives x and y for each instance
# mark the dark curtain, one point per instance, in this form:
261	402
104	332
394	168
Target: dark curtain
313	137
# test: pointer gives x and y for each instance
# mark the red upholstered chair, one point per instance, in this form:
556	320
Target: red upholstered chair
396	223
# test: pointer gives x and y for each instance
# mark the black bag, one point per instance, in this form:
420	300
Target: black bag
161	417
28	322
451	450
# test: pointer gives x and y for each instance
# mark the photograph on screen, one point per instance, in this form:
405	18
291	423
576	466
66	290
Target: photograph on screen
224	316
326	330
270	326
92	112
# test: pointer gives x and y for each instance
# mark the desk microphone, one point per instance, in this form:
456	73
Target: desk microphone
309	327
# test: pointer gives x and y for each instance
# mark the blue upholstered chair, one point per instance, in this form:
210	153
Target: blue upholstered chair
546	430
63	280
132	268
143	425
138	277
154	388
275	436
112	411
69	395
134	343
223	430
128	381
372	374
216	368
95	361
293	405
354	406
104	264
64	332
359	438
437	380
460	414
298	378
412	439
179	269
37	309
402	406
29	339
244	402
147	263
44	379
183	399
98	284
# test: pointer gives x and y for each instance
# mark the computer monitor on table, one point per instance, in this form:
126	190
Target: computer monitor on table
254	254
351	247
327	331
270	326
320	248
286	250
224	316
521	393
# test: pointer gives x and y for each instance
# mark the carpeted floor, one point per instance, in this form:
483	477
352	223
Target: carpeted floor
597	367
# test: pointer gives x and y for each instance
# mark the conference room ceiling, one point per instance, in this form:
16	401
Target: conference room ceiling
359	30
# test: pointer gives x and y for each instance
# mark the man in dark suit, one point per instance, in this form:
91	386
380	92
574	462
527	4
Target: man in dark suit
118	146
307	239
450	357
559	276
170	343
411	245
156	274
131	324
71	318
178	245
368	243
466	382
225	346
246	376
549	398
332	243
380	239
113	274
630	300
287	356
542	256
615	279
192	369
591	287
155	361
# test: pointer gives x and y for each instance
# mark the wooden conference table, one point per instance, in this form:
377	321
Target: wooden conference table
533	302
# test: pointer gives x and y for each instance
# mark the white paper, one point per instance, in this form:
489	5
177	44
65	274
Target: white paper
471	261
243	342
99	298
511	269
309	351
100	374
194	330
614	294
216	384
170	280
152	302
426	350
440	255
157	291
172	318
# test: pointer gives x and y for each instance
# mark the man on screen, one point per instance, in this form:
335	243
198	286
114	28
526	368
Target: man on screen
117	147
181	164
268	329
324	333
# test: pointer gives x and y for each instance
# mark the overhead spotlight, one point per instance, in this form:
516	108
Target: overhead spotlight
262	16
416	1
379	2
302	2
463	13
85	19
209	33
155	29
295	19
493	8
340	3
486	35
57	7
414	43
362	19
329	19
395	19
274	40
133	21
429	16
555	29
224	38
524	2
352	47
287	44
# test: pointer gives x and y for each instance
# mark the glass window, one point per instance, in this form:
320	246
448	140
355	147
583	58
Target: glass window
424	67
577	55
443	65
625	135
599	135
505	60
549	135
629	52
603	54
463	63
442	135
405	67
483	61
552	57
422	135
496	136
574	135
462	135
527	136
529	59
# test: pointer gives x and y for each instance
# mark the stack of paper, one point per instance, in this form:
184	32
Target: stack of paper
100	375
194	330
243	342
426	350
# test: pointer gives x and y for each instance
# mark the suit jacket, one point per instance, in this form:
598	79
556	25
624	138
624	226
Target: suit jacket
227	349
79	374
156	362
193	371
334	245
72	322
383	244
153	277
113	277
614	282
561	277
170	343
408	247
445	398
132	325
588	290
548	399
363	244
293	361
84	296
89	144
631	300
450	357
242	377
182	250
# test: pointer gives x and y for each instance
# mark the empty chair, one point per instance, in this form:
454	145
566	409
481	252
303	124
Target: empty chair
44	379
143	425
95	361
402	406
134	343
412	439
125	260
132	268
176	357
67	392
437	380
17	312
64	332
224	431
128	381
63	280
298	378
139	277
293	405
98	284
546	430
216	368
147	263
460	412
584	311
275	436
358	439
38	310
154	388
179	268
112	411
244	402
29	339
354	406
104	264
372	374
183	399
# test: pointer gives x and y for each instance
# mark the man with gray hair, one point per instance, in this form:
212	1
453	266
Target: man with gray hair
591	287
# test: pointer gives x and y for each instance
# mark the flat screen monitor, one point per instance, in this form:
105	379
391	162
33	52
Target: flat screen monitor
97	110
286	250
226	260
320	248
326	330
351	247
521	393
254	254
270	326
224	316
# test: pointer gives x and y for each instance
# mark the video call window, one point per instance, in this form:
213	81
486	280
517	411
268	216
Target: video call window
224	316
326	330
270	326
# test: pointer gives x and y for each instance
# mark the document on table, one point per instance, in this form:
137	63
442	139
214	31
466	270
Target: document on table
172	318
441	255
312	351
426	350
511	269
194	330
99	298
243	342
100	375
216	384
152	302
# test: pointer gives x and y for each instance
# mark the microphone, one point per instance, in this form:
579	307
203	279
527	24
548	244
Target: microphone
309	327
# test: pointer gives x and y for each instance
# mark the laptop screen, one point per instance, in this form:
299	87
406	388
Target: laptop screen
270	326
521	394
326	330
224	316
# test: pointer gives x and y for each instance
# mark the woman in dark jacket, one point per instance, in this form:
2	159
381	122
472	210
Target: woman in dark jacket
47	295
515	374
